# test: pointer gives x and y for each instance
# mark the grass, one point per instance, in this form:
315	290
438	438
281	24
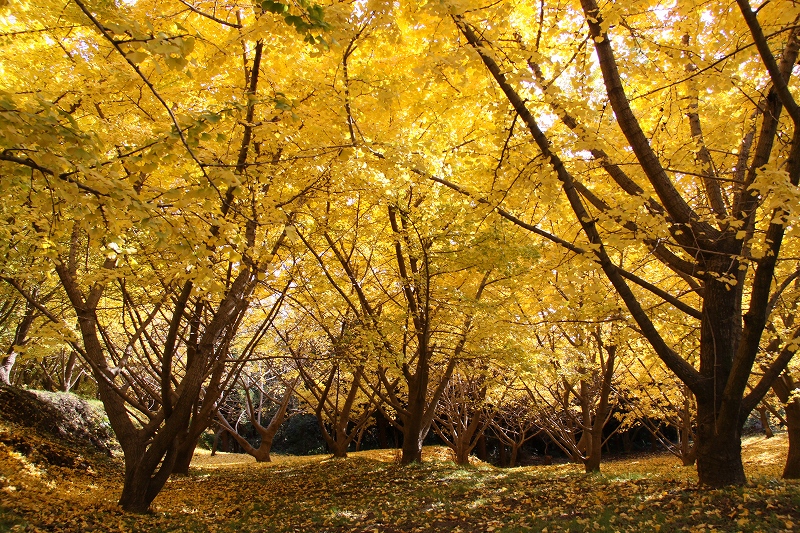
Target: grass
369	491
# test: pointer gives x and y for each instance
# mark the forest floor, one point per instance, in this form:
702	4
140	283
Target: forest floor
369	491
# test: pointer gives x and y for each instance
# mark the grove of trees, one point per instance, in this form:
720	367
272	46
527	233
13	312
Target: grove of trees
551	219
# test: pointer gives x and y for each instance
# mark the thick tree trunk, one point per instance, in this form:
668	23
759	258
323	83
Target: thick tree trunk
339	452
462	455
185	454
719	417
783	387
719	449
592	462
594	448
382	428
143	479
414	430
338	439
467	442
512	461
261	453
215	445
412	440
337	443
182	462
689	460
792	468
481	452
6	366
201	419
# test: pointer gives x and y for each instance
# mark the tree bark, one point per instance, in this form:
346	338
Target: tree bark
481	448
719	459
784	387
413	434
20	338
792	468
763	415
688	443
184	456
719	448
6	366
142	481
512	461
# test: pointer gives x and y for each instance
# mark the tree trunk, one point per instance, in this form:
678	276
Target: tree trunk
688	444
69	370
20	338
462	455
412	441
688	449
719	417
413	428
594	446
764	417
184	456
339	452
189	443
783	387
689	459
719	449
215	444
512	461
337	443
360	436
792	468
143	480
592	462
382	429
627	441
261	453
481	451
6	366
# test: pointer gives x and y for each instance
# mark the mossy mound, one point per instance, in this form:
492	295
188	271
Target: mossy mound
62	417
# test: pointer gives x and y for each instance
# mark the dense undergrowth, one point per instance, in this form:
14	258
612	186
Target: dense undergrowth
369	491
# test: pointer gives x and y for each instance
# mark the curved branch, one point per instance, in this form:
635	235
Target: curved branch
210	17
779	80
6	155
674	203
685	371
150	86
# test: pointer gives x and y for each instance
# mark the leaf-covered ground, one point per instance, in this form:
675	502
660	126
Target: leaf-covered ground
370	492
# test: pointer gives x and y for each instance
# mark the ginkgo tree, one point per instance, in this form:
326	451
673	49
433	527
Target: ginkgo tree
575	381
151	206
672	132
333	369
